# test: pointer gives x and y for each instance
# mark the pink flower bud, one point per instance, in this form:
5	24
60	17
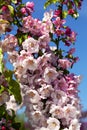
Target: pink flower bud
65	63
71	11
71	51
68	31
3	128
4	8
30	5
23	10
57	13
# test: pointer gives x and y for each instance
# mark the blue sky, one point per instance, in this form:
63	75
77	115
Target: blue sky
80	26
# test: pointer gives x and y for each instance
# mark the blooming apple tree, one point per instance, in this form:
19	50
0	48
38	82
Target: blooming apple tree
41	78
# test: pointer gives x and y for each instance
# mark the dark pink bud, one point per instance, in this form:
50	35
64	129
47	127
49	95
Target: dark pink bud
71	11
4	8
57	13
67	43
23	10
3	128
68	31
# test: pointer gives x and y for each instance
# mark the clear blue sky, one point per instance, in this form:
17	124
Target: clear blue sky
80	26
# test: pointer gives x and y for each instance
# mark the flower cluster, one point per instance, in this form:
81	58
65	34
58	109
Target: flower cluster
49	94
49	91
64	33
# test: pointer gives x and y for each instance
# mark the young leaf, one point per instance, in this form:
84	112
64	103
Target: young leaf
14	89
14	1
49	2
64	14
11	9
2	110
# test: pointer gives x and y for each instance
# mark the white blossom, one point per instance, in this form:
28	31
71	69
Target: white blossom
50	74
75	125
53	124
33	96
31	45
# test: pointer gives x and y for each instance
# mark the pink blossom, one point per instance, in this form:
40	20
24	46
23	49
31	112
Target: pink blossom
70	111
73	36
50	74
31	45
71	51
32	25
59	97
43	41
30	5
58	22
9	43
64	63
30	63
23	10
45	91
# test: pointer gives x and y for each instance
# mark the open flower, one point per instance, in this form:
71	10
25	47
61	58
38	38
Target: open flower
53	124
45	90
31	45
57	111
50	74
33	96
30	63
75	125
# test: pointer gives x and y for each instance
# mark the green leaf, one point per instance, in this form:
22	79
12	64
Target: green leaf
2	2
14	89
22	37
76	2
2	110
3	21
1	89
49	2
14	1
11	8
64	14
8	74
20	6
